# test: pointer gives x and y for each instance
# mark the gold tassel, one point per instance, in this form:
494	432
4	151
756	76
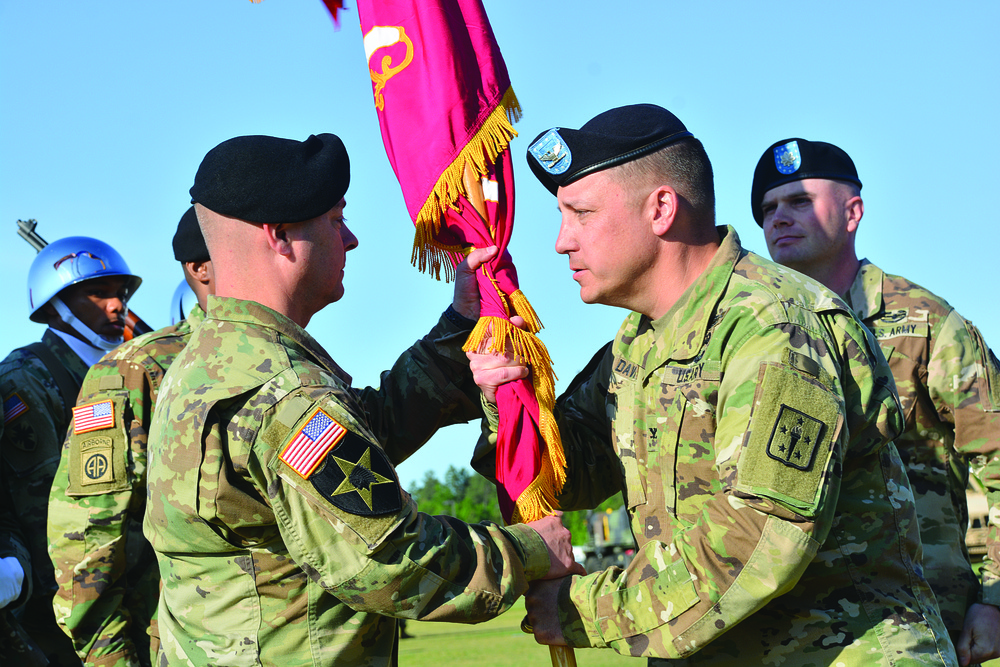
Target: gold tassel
480	152
523	308
539	498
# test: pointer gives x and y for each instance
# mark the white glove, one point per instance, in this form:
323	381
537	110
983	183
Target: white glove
11	578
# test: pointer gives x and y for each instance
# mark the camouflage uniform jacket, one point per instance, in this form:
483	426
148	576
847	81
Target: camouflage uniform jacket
35	422
106	570
949	385
282	534
750	430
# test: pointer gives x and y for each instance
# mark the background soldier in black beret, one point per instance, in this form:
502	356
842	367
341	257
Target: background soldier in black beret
806	196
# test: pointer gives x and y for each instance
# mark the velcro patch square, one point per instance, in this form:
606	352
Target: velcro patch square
318	435
93	416
793	428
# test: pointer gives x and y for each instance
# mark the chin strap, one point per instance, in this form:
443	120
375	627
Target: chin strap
100	342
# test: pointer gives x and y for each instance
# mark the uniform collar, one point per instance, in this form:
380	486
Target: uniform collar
228	309
865	294
680	333
76	356
195	317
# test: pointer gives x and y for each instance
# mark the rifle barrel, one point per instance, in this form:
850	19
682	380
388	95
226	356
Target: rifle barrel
26	230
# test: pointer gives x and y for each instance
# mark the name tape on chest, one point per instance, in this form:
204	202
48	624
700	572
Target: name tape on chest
93	417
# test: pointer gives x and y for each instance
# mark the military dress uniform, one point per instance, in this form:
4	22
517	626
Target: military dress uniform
35	420
949	386
106	570
282	533
750	429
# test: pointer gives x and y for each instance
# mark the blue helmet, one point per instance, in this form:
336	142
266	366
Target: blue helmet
182	303
69	261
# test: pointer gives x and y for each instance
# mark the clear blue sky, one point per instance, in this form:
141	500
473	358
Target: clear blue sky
106	109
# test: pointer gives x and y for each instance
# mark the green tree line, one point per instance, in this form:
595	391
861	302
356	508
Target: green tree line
472	498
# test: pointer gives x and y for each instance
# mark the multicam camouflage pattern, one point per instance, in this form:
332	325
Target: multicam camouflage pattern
106	570
30	449
949	386
751	429
262	565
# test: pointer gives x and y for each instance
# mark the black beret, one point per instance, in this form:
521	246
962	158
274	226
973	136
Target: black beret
560	156
796	159
270	180
189	244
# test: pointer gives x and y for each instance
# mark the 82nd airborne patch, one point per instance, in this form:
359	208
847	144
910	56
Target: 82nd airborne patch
95	461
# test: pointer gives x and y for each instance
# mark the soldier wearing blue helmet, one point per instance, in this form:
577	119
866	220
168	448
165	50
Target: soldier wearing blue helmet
79	287
105	569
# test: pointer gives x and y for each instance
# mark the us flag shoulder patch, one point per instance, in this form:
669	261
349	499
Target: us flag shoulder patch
93	416
312	442
13	407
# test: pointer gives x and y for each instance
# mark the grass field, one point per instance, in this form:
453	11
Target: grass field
497	643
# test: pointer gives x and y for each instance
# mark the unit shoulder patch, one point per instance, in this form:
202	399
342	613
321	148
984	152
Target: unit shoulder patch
96	465
795	438
358	478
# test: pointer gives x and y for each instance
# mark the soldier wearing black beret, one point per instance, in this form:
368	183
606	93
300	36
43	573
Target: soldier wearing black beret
294	542
806	195
741	412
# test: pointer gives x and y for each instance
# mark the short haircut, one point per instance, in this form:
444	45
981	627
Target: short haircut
683	165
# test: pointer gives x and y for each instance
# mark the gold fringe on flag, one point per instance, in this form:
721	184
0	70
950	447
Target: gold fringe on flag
539	498
480	152
490	140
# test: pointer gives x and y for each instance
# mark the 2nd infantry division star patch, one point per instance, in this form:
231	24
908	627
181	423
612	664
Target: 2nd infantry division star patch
358	478
795	438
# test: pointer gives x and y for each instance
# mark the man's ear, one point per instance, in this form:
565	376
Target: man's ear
198	270
854	211
277	238
664	202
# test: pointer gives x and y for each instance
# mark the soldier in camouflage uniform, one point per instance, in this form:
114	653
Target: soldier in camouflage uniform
106	570
79	286
281	530
746	416
806	196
